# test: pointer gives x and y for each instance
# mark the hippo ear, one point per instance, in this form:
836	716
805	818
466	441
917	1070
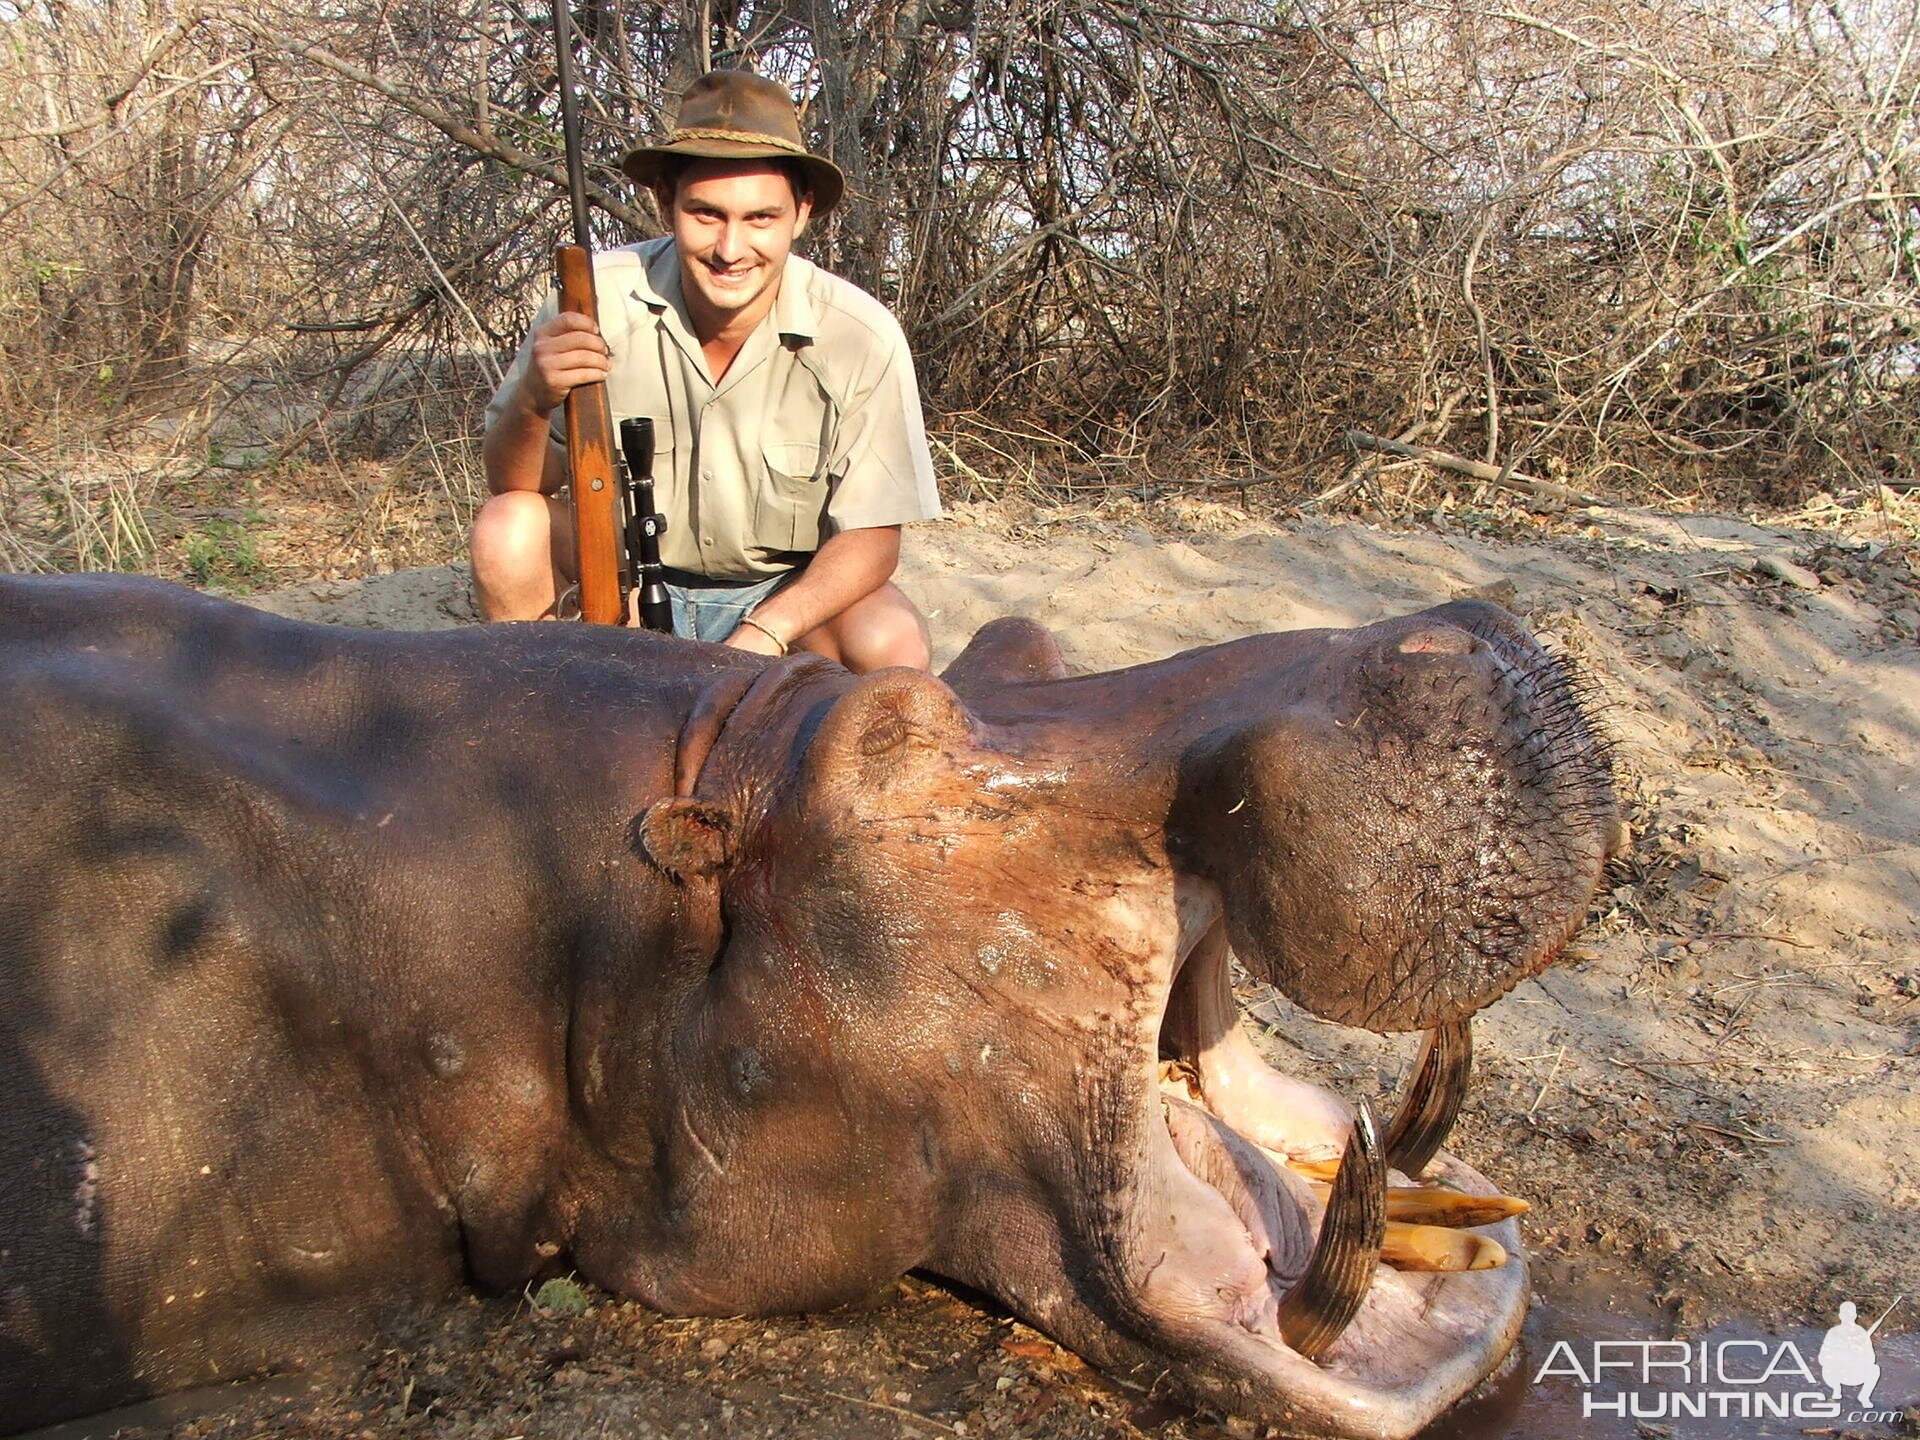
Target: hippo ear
686	837
895	723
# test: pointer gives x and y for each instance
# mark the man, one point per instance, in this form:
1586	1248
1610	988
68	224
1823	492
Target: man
790	446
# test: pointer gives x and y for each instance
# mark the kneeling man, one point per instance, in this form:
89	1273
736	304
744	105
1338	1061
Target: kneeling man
790	447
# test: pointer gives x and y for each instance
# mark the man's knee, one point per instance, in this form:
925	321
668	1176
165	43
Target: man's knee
512	532
885	630
514	549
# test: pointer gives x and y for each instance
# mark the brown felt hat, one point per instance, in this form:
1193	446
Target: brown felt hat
737	115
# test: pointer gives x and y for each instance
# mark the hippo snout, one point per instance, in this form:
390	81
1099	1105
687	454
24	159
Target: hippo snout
1420	831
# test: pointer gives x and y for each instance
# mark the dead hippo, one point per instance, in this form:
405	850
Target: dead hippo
339	968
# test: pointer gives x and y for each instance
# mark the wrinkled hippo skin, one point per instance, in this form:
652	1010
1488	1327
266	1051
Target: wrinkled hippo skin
339	969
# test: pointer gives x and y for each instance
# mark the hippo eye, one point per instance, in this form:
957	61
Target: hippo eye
887	733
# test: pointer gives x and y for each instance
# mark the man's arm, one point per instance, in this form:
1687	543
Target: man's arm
847	568
518	450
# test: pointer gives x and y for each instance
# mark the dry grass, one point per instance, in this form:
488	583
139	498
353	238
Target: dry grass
220	523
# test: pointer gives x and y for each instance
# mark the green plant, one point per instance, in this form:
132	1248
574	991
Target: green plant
561	1297
222	553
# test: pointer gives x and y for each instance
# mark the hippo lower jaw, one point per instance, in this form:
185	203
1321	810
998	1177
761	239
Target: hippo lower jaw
1237	1260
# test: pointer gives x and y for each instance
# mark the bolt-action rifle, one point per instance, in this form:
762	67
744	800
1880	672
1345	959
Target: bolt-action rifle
607	552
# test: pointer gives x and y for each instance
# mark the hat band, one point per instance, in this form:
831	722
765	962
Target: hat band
743	137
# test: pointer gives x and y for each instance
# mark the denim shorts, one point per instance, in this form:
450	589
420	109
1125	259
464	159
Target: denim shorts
711	610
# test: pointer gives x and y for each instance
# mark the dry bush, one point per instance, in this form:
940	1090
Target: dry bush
1631	246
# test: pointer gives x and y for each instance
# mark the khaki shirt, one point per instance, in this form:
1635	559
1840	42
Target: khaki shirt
816	427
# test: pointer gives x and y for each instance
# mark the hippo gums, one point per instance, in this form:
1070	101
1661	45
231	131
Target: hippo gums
340	968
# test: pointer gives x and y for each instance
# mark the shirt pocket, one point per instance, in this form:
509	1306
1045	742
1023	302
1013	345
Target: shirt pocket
793	496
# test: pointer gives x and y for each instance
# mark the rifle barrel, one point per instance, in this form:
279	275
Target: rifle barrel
570	122
589	423
1883	1314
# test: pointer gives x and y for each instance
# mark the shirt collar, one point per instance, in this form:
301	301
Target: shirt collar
793	313
659	287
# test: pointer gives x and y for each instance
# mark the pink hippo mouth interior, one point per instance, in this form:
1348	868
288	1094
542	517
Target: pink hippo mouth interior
1366	1323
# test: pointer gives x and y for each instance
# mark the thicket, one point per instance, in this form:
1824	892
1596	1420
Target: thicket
1627	245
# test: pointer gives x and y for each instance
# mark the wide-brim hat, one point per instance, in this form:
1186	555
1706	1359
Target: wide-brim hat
737	115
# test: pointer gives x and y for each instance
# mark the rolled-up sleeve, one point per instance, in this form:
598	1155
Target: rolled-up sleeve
522	358
882	473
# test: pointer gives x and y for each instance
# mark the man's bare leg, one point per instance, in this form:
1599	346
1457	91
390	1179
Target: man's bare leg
522	551
879	630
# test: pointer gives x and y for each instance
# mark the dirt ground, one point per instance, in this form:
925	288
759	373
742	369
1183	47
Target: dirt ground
1712	1105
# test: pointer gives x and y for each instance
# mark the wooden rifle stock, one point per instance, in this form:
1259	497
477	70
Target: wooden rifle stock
590	459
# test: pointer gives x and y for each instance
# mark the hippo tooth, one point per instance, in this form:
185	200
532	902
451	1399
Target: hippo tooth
1319	1308
1432	1100
1439	1248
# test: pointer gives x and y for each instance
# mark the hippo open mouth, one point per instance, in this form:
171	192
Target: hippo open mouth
1372	1278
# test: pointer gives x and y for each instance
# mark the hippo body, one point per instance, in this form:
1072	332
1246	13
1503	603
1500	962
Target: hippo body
339	969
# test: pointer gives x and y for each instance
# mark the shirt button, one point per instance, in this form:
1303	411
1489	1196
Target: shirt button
707	475
707	540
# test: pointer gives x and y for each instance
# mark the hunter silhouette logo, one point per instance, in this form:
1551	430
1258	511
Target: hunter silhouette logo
1747	1379
1846	1355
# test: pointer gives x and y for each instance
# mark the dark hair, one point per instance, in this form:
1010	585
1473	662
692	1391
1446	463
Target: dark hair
673	169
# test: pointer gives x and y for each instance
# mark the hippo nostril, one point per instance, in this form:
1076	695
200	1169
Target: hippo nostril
1439	640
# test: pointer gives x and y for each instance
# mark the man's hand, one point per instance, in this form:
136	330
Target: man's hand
567	353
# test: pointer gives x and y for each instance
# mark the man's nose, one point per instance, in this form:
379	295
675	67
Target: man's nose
730	246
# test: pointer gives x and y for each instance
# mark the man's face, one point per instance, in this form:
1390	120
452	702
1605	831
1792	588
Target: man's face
734	222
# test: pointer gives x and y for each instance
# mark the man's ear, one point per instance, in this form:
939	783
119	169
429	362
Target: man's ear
687	838
663	194
804	209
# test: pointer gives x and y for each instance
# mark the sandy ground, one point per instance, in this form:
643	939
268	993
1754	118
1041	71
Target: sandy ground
1712	1107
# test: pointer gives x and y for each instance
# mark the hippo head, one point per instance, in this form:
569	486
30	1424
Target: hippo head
982	927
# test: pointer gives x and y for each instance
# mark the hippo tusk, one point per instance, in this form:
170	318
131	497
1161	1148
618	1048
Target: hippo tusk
1318	1309
1432	1100
1423	1205
1419	1206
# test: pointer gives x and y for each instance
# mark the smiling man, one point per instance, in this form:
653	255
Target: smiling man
790	445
